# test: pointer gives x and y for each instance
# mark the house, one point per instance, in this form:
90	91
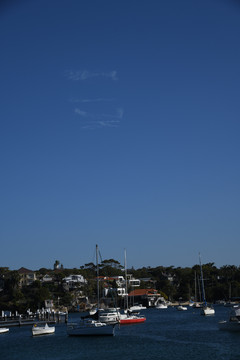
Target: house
73	282
147	297
27	277
47	279
108	290
134	282
120	281
120	288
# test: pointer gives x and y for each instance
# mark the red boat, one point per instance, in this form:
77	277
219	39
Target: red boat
131	319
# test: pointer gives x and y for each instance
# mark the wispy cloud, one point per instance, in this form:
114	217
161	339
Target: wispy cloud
81	75
101	116
93	121
80	112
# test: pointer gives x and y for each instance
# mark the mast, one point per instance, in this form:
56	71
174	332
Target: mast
203	291
125	265
97	277
195	297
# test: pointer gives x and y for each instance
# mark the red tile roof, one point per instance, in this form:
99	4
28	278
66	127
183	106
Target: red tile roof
141	292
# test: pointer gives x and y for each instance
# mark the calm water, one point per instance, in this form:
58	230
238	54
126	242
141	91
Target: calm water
166	335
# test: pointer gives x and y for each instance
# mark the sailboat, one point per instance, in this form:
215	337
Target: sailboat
195	303
89	326
206	310
129	318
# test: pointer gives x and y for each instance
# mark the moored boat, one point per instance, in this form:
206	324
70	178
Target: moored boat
206	309
161	306
128	319
4	330
197	305
109	316
181	308
137	308
43	330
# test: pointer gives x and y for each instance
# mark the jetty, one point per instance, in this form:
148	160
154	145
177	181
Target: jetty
9	320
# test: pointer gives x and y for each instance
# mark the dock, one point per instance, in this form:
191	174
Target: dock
30	320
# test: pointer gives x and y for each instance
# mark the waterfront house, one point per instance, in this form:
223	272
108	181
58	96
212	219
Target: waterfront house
147	297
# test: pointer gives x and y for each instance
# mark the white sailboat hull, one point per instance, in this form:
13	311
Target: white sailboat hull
208	311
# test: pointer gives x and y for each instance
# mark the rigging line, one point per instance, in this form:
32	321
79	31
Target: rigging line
100	255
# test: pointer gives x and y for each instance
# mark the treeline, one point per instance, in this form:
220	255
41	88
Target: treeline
184	283
174	283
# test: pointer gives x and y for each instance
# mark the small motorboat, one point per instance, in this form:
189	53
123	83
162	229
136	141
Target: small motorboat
181	308
4	330
137	308
42	330
109	316
161	305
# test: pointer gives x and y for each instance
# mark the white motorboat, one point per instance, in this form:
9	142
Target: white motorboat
4	330
43	330
233	324
181	308
109	316
90	327
137	308
161	306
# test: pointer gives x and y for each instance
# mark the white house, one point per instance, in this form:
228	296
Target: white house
134	282
73	281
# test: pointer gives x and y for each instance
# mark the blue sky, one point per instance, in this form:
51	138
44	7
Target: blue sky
119	125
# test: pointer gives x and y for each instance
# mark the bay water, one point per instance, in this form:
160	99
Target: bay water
166	335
